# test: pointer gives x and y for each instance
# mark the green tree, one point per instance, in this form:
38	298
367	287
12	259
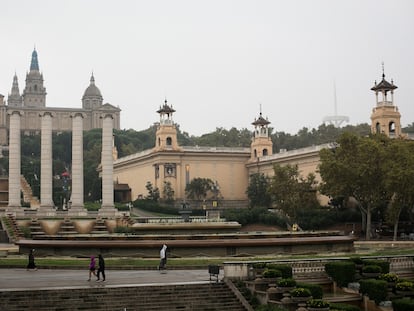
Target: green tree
198	188
399	176
291	192
153	193
257	191
355	169
168	192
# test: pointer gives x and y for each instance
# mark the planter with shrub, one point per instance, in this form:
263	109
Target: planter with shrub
385	265
371	271
317	305
286	270
405	288
285	285
300	294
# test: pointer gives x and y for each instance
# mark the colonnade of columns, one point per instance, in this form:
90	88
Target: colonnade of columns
46	160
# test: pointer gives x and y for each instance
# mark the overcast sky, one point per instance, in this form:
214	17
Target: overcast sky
215	61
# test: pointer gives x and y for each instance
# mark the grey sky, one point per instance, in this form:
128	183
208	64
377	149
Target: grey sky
215	61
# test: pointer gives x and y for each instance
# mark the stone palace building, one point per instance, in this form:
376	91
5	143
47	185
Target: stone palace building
32	103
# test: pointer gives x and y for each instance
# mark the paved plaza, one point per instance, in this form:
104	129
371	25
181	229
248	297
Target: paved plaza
21	279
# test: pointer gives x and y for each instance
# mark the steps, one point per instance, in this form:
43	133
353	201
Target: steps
28	193
195	297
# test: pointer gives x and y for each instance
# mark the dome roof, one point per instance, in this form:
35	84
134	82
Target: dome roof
92	89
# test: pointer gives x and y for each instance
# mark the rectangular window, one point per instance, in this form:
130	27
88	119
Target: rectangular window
187	174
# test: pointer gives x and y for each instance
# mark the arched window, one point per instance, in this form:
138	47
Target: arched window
159	141
169	141
255	153
378	128
264	152
391	127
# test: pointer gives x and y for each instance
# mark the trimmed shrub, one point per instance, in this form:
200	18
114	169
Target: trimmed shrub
315	289
389	277
300	292
286	270
318	303
374	289
385	265
371	269
271	273
404	285
342	272
404	304
288	282
344	307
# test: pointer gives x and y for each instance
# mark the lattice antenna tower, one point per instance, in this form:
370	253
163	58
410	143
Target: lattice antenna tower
335	120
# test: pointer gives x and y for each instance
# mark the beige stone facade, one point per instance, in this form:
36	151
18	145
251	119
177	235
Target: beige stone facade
32	102
229	168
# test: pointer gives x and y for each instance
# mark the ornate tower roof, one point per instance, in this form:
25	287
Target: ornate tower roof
385	117
15	98
34	65
92	97
261	143
34	93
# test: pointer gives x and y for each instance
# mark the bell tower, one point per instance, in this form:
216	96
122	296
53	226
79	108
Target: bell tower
34	94
166	135
261	142
385	117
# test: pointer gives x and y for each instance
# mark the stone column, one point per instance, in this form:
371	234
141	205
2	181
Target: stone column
77	206
107	163
14	205
46	169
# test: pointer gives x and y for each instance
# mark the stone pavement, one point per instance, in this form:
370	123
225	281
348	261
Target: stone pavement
21	279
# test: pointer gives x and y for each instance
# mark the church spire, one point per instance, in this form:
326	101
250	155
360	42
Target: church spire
14	98
34	65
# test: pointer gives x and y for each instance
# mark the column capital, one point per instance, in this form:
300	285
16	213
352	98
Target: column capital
13	111
105	115
78	114
45	113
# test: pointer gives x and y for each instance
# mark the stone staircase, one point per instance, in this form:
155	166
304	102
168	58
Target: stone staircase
67	227
195	297
28	193
99	226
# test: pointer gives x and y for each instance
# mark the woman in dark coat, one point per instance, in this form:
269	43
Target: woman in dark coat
101	268
31	264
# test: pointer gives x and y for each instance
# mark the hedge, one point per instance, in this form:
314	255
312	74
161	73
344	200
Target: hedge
374	289
385	265
316	290
286	270
404	304
342	272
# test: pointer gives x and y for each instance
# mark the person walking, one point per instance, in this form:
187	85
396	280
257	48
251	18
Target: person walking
92	267
101	268
163	258
31	264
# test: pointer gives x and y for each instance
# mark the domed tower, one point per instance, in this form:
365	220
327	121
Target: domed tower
261	143
385	117
34	94
14	98
92	97
166	135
